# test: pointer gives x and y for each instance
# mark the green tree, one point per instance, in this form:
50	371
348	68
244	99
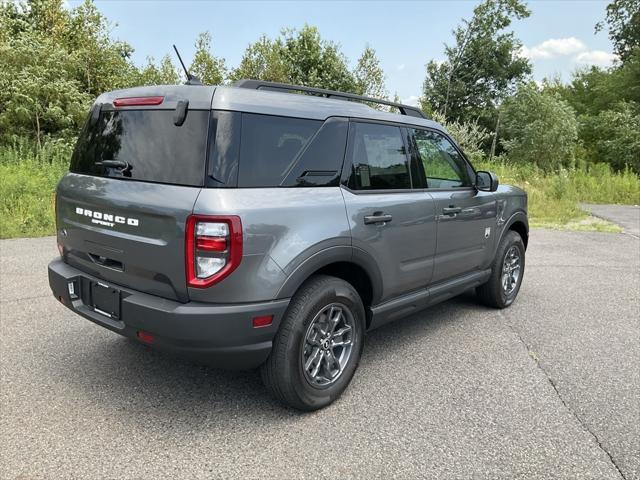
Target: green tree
539	128
37	95
369	76
208	68
315	62
262	60
300	57
623	21
613	136
163	74
54	61
481	68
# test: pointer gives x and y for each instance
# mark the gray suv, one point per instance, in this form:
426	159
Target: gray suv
271	225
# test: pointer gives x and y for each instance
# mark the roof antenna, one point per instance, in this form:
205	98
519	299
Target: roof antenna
191	79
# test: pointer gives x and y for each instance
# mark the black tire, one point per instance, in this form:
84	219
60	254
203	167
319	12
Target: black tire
492	293
283	372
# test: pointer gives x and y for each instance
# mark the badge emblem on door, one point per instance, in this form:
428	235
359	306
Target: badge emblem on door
487	232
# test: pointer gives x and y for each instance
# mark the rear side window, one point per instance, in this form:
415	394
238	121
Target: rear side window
153	147
378	158
270	146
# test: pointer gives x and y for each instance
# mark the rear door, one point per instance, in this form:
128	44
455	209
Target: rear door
389	219
121	211
466	217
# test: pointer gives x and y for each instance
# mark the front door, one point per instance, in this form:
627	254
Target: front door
389	219
466	218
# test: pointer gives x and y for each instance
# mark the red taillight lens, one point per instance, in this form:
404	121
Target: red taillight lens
211	244
213	248
137	101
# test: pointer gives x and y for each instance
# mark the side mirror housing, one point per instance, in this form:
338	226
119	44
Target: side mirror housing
487	181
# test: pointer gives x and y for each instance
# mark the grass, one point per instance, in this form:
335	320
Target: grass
554	198
27	186
28	180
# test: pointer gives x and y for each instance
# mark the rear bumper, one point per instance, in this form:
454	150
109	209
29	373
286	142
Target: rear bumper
219	334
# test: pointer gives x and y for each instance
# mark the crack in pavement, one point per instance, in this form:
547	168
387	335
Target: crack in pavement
532	354
15	300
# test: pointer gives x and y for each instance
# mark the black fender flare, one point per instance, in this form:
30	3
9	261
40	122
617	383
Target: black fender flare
518	216
327	256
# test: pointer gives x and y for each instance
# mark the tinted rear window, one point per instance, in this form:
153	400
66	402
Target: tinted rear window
270	146
148	140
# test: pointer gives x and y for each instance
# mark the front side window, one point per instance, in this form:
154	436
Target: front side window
443	166
378	158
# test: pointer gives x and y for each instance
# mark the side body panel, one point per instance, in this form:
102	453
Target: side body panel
282	228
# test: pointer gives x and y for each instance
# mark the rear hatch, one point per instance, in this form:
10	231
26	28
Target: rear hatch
135	175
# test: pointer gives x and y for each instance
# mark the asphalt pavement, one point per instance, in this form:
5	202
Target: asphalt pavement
548	388
627	216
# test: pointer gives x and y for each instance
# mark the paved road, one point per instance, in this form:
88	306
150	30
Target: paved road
548	388
627	216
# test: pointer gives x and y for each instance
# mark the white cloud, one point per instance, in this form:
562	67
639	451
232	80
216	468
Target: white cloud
554	47
411	100
596	57
400	67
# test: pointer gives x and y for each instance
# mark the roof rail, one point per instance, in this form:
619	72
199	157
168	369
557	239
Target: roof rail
260	85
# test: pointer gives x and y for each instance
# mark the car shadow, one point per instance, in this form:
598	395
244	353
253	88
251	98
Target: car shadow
126	376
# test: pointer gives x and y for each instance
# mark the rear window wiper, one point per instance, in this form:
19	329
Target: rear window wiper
119	164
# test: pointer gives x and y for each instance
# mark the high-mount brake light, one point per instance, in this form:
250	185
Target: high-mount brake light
213	248
137	101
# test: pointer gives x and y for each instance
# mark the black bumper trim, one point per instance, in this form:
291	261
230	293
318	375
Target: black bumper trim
218	334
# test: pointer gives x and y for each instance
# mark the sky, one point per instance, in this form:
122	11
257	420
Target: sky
558	37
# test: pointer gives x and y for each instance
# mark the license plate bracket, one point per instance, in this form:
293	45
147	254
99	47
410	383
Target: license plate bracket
105	300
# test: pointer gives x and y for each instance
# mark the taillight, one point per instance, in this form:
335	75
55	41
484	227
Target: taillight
213	248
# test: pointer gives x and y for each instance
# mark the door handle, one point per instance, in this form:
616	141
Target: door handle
377	217
451	210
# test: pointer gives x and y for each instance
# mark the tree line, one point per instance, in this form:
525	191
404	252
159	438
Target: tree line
55	61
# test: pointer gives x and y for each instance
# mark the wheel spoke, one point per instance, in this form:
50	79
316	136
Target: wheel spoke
334	316
341	343
332	360
342	331
312	358
316	369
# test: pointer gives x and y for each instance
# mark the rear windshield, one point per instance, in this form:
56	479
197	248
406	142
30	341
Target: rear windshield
153	147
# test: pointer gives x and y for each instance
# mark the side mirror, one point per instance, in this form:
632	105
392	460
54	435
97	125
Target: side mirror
487	181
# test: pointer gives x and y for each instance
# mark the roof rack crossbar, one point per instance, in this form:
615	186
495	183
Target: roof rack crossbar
259	84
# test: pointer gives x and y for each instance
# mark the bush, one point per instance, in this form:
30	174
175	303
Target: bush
613	136
27	185
539	128
554	198
469	136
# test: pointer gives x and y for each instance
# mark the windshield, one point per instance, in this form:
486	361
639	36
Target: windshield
144	145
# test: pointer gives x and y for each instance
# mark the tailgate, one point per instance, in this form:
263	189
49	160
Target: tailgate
128	233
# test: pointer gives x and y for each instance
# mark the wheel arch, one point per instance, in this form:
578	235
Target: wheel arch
352	265
519	223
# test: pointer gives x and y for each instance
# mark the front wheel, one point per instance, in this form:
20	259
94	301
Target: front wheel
507	271
318	346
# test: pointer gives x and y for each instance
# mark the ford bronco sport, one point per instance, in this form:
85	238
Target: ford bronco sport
252	226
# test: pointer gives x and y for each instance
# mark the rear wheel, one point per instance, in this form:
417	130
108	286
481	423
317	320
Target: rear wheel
506	273
318	346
